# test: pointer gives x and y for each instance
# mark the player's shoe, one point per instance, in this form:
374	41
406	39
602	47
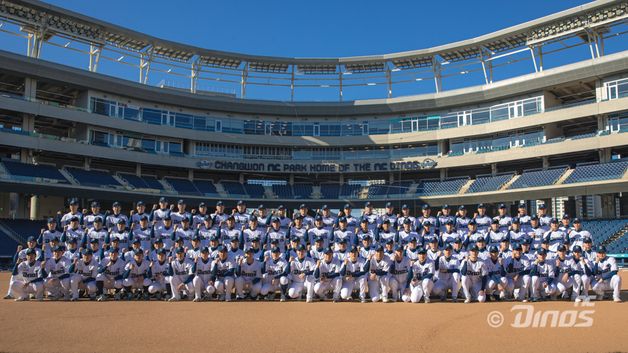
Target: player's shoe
426	299
8	296
308	300
158	296
454	300
21	299
467	301
173	299
73	299
102	298
283	298
578	300
385	300
565	296
617	300
362	300
197	300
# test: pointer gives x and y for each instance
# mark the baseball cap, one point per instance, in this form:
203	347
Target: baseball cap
73	202
398	248
601	249
516	220
474	248
501	205
325	207
577	248
450	222
449	247
302	206
379	248
74	219
83	252
95	204
52	220
140	203
481	205
425	206
30	251
115	204
162	199
181	202
261	207
205	249
562	248
422	251
346	206
180	250
202	204
219	203
161	251
588	240
94	241
461	207
301	247
576	220
542	252
542	206
138	252
241	202
368	204
404	207
31	238
493	249
517	247
121	221
388	204
275	250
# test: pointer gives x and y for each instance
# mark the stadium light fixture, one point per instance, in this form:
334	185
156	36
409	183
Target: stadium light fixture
120	58
371	84
418	79
67	44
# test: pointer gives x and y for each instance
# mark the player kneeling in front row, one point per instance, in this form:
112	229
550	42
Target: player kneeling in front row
275	275
202	269
399	269
301	275
137	276
249	276
327	276
160	269
223	274
517	278
605	276
378	267
28	278
543	276
57	283
474	277
420	279
84	275
181	275
353	273
448	274
110	276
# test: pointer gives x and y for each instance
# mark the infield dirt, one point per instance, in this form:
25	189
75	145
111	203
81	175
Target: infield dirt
248	327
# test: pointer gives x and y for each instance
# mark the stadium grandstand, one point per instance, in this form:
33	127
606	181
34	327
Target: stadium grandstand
515	128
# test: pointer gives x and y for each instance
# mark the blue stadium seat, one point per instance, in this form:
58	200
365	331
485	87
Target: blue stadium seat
350	190
330	191
255	190
183	186
95	178
438	187
24	228
537	178
595	172
143	182
283	191
34	171
233	188
488	183
206	187
302	190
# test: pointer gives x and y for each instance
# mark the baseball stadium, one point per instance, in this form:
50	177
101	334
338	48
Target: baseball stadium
271	202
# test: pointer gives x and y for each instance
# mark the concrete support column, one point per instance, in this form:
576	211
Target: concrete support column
138	169
602	122
241	178
191	174
443	174
493	168
30	88
600	92
546	162
28	122
291	179
34	207
341	179
86	162
608	206
391	178
605	155
443	147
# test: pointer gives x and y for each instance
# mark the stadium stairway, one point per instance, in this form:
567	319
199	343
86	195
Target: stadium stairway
68	176
10	233
221	190
509	182
167	186
268	192
564	177
465	187
618	236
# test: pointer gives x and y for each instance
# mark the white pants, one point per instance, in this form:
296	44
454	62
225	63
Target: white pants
613	284
539	289
563	285
296	289
158	285
77	283
378	286
271	284
202	284
21	289
491	284
447	281
522	283
109	283
175	281
472	288
349	284
334	285
58	287
243	285
418	289
581	285
136	283
397	283
224	286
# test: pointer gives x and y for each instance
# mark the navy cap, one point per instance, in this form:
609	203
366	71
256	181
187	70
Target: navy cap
481	205
162	199
449	247
342	241
576	220
161	251
209	218
168	218
295	239
526	241
275	250
329	251
534	218
235	240
368	204
298	216
495	221
222	248
281	207
202	204
319	239
427	224
74	240
505	240
565	216
480	240
31	238
390	241
501	205
386	221
521	205
398	248
274	241
545	241
261	207
407	221
185	219
577	248
388	204
404	207
87	252
116	239
542	206
274	219
73	202
74	219
318	218
445	206
379	248
364	220
113	250
425	206
121	221
434	240
158	241
587	241
205	249
196	238
253	239
140	203
94	241
241	202
354	249
517	247
472	222
553	220
213	238
58	248
144	218
52	220
180	250
458	240
220	203
450	222
249	251
181	202
302	206
601	249
461	207
342	219
136	241
98	219
115	204
325	207
516	220
30	251
474	248
542	252
366	237
346	206
422	251
95	204
138	252
562	248
301	247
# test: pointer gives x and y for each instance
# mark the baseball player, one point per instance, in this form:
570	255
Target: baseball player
140	211
120	233
563	270
517	275
28	277
137	276
57	283
240	215
482	220
327	276
253	230
420	280
364	230
399	269
495	272
160	212
581	272
184	231
474	277
605	275
88	220
448	275
84	275
181	275
577	235
378	266
47	235
74	212
389	215
370	216
543	276
110	275
298	230
495	234
97	232
555	236
202	281
249	275
301	275
516	235
343	232
503	219
386	232
112	219
223	274
320	230
276	233
405	214
275	271
461	222
180	214
160	270
544	218
73	231
353	272
143	232
426	217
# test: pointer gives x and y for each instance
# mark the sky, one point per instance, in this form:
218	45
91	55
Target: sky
323	28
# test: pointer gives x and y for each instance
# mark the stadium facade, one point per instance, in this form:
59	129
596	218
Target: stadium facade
98	111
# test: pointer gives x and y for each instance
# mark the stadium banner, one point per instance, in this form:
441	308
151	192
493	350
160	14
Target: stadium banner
323	167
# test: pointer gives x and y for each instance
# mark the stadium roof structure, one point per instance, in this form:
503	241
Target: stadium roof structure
40	23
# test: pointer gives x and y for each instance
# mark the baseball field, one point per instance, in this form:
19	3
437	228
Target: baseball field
317	327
